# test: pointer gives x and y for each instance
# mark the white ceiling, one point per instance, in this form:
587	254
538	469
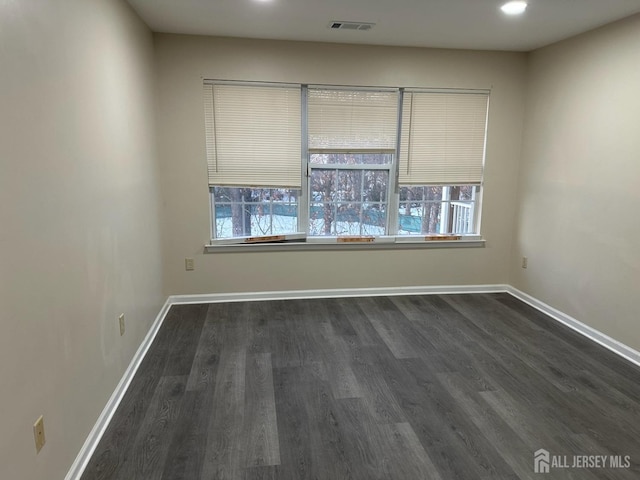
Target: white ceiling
468	24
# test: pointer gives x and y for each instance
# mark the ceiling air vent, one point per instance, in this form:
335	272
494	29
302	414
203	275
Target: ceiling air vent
362	26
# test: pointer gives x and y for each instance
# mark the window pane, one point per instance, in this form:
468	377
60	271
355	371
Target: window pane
321	219
348	219
464	192
348	202
430	210
323	185
374	219
350	158
375	185
349	187
241	212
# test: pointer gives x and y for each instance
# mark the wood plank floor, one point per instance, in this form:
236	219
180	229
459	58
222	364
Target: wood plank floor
408	387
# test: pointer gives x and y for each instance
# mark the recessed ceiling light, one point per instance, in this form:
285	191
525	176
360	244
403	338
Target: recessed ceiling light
514	8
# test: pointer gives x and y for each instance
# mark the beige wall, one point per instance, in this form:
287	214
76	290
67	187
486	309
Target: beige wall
579	220
182	63
79	219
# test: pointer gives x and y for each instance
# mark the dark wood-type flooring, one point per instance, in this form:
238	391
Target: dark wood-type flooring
408	387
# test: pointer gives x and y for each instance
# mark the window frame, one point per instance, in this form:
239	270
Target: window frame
293	235
446	199
302	239
386	167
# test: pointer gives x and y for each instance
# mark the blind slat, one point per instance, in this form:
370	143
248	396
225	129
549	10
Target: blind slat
443	138
352	119
253	135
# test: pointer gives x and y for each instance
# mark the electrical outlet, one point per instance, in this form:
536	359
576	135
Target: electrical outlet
188	264
525	262
121	321
38	433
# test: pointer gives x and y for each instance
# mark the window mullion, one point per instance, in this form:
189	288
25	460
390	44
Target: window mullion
393	190
477	191
270	215
328	166
445	210
212	206
304	205
361	209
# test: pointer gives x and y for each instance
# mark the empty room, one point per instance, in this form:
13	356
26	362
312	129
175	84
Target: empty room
297	239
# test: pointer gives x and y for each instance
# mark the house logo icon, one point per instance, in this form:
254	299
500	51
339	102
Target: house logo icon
541	461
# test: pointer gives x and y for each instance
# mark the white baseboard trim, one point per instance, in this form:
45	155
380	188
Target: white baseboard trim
90	444
334	293
591	333
81	461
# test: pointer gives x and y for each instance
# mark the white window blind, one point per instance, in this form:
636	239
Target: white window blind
253	135
443	138
343	120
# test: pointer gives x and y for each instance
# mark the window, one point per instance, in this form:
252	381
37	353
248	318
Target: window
349	194
253	157
441	162
433	210
294	161
352	142
250	212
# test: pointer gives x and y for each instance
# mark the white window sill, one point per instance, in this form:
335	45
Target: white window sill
331	243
